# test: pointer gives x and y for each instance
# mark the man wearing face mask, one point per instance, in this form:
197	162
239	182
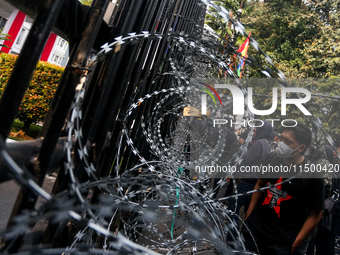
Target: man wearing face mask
283	217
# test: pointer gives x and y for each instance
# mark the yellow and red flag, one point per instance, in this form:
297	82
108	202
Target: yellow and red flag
243	50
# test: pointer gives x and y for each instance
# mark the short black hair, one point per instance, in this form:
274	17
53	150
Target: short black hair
302	133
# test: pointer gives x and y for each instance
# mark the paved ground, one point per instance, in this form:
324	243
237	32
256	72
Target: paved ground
9	191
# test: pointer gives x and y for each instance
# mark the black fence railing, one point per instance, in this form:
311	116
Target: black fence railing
105	88
119	136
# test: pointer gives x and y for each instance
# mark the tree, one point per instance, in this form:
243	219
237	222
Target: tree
86	2
321	55
302	38
222	27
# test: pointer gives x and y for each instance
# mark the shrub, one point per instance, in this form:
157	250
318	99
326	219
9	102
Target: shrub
40	92
5	37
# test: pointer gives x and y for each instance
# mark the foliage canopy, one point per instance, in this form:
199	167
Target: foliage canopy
302	38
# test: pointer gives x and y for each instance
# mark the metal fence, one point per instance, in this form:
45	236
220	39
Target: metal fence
116	136
105	88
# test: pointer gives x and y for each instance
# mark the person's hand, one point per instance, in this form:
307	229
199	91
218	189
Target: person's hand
248	212
247	215
294	246
240	141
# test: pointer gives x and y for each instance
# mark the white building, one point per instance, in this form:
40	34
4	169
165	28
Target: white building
17	24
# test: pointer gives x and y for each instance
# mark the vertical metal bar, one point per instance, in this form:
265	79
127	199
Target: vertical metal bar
70	78
96	87
26	64
136	132
113	96
19	82
107	157
27	200
73	14
62	103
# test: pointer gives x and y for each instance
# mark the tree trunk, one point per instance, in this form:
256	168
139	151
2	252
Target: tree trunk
26	126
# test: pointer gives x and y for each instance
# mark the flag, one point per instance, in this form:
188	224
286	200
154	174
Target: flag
243	50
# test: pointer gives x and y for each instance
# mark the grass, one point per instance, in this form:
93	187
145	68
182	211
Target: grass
33	131
15	139
17	126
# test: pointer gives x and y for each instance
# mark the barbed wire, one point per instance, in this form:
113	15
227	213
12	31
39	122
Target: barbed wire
154	205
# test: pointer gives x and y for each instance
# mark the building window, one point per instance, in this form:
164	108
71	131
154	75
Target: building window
2	22
21	36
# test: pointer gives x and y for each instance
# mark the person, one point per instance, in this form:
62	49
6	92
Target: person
229	149
282	218
254	157
336	210
242	136
324	240
273	139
